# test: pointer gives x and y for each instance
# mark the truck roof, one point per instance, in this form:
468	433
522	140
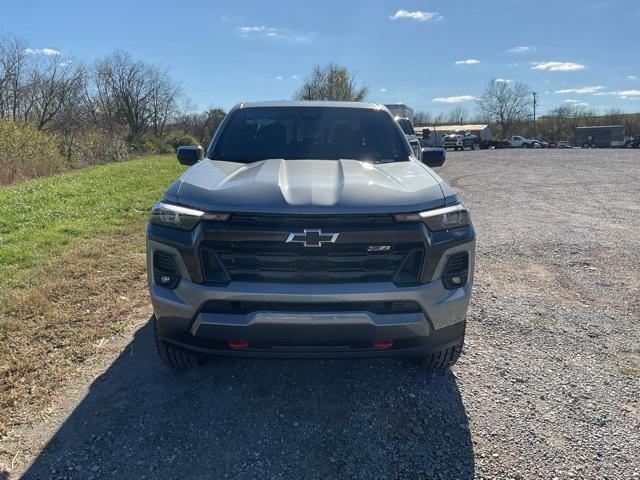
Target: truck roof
603	126
306	103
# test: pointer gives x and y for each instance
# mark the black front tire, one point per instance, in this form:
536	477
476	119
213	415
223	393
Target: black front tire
442	359
175	357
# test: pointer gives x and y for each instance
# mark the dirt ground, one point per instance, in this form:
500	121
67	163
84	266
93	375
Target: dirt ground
548	385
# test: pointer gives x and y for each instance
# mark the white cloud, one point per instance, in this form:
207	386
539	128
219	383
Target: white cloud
383	90
279	77
295	77
576	102
468	61
503	80
593	89
49	52
632	77
255	29
624	94
522	49
262	31
454	99
558	66
418	15
628	93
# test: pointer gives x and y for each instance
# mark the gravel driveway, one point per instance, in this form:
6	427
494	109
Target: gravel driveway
548	386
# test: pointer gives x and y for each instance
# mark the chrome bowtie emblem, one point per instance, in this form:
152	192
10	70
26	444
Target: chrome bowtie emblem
312	237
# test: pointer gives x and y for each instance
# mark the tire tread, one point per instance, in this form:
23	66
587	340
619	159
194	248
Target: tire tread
442	359
175	357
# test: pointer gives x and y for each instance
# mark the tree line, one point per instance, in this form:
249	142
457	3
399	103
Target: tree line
71	114
506	106
89	113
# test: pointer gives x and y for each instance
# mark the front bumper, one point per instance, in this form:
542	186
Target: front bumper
441	323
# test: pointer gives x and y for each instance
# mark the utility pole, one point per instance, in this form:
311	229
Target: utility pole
535	103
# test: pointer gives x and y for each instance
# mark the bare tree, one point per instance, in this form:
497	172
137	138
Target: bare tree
422	118
505	104
133	93
55	85
331	82
164	100
458	115
15	98
614	116
201	125
560	123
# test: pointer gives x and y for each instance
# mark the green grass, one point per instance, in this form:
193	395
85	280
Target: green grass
42	218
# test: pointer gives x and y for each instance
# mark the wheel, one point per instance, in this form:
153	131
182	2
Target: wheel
593	145
173	356
441	359
585	145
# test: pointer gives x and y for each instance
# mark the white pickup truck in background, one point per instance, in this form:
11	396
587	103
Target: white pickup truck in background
520	142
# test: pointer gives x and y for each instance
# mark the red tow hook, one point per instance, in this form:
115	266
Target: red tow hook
383	344
238	344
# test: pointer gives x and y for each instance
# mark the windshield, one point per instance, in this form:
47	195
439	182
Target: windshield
331	133
406	126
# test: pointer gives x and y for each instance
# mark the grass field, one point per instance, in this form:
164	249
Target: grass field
41	218
72	273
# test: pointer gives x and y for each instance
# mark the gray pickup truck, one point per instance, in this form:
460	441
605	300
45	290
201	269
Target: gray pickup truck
309	229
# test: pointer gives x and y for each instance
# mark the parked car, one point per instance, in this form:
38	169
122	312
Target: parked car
517	141
410	134
461	140
541	144
564	145
633	142
309	229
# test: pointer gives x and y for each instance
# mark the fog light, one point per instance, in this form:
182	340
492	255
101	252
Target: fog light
456	281
165	279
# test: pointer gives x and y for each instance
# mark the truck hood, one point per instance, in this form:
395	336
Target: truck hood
310	186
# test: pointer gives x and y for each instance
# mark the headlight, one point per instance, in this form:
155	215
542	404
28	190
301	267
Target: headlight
444	218
184	218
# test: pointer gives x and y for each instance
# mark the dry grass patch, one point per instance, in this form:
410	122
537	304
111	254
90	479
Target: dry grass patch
57	321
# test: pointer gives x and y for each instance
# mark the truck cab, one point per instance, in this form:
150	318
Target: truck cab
520	142
410	134
461	140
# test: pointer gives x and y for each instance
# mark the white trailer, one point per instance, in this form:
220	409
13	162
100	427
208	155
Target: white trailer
400	110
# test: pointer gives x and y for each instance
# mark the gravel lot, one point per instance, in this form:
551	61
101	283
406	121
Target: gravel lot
548	386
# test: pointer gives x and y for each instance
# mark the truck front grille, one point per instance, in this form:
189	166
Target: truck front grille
280	262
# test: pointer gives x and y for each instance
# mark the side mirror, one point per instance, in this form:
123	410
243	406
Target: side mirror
434	156
190	154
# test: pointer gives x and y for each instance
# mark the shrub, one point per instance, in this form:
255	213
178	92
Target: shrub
181	139
26	152
92	148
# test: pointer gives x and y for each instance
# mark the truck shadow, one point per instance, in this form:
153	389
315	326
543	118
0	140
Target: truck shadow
238	418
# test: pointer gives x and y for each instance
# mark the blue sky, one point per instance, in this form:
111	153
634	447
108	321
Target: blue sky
432	55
